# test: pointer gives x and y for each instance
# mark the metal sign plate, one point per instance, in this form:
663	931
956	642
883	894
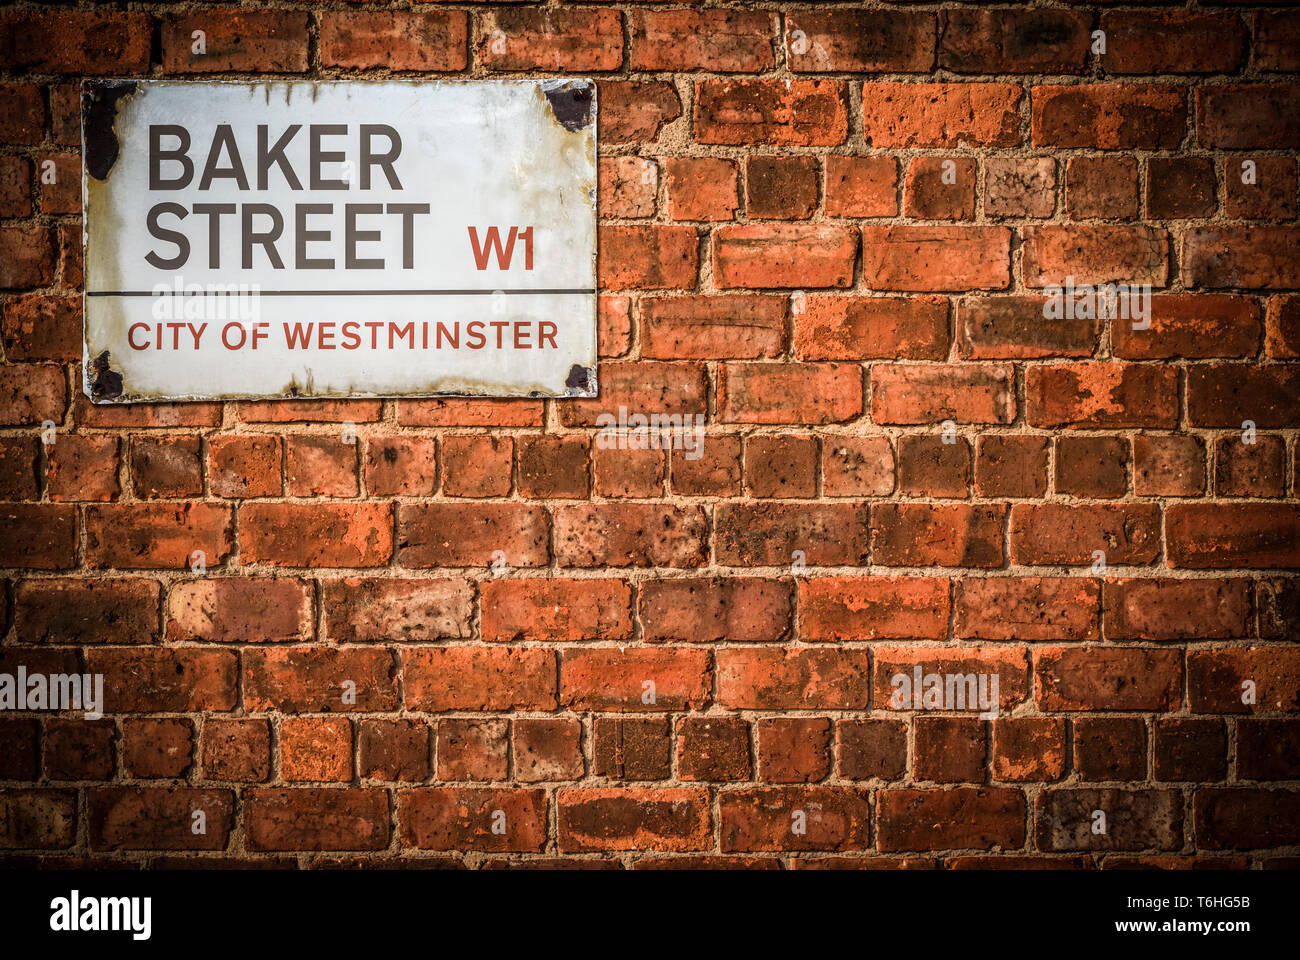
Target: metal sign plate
342	239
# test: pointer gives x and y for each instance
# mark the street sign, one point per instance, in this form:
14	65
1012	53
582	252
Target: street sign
339	239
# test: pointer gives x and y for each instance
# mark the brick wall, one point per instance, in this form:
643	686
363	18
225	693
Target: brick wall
906	464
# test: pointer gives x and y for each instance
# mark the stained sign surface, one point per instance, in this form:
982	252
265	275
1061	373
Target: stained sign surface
294	239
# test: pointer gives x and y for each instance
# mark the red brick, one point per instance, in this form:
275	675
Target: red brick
32	394
1027	608
1248	116
1215	679
145	415
26	257
778	678
1177	609
1242	257
157	536
474	749
1224	535
476	466
1271	197
166	467
928	393
873	608
1256	469
548	749
263	40
1277	40
1028	749
1181	188
643	388
403	466
777	534
627	473
384	609
702	188
713	748
940	188
1101	395
949	749
928	466
1192	325
320	679
1135	820
850	41
715	472
230	610
1237	819
1110	748
1109	116
664	819
22	111
985	818
1097	678
566	39
439	679
861	186
316	818
40	536
805	393
1226	395
1169	466
398	39
393	750
62	193
156	748
1094	254
316	749
553	466
920	534
1020	187
1061	534
715	610
699	328
1011	466
158	818
805	113
1014	328
83	467
20	466
1013	41
78	749
780	466
309	411
463	818
244	465
900	114
781	188
556	610
469	535
321	466
630	534
1268	749
764	818
857	466
15	187
635	111
871	749
627	187
1092	467
1103	188
1161	42
469	412
628	748
165	680
717	41
86	611
784	255
76	41
619	679
316	534
936	258
1193	749
237	750
870	328
653	257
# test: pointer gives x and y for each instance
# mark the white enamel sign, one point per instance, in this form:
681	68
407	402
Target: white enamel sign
294	239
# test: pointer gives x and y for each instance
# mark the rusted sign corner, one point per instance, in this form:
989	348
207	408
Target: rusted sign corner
572	101
581	381
105	383
98	111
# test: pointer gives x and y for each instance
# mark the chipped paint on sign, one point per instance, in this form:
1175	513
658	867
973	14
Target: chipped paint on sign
339	239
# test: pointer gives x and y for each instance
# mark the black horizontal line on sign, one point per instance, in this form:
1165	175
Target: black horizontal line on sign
334	293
